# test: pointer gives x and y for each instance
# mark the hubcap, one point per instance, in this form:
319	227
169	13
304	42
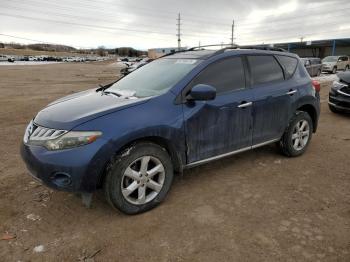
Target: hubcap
300	136
142	180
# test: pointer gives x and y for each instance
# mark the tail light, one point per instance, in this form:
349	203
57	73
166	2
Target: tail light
316	85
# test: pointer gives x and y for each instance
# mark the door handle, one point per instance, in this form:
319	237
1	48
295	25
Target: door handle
291	92
245	104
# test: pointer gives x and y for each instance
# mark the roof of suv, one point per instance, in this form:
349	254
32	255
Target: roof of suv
205	54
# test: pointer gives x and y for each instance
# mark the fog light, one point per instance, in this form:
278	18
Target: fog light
61	179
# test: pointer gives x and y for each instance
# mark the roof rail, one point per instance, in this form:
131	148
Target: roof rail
228	47
203	46
263	47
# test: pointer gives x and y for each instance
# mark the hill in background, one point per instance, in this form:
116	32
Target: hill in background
35	49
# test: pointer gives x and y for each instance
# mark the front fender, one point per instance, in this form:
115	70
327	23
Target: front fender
159	118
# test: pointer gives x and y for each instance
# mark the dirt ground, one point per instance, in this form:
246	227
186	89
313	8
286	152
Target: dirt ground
256	206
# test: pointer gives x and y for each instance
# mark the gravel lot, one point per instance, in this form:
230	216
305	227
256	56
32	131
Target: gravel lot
257	206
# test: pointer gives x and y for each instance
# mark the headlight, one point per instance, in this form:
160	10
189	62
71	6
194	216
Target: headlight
338	85
68	140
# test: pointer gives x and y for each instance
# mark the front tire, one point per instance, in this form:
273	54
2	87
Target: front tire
139	178
346	68
297	136
334	71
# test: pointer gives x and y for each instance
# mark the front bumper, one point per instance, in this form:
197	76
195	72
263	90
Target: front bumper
327	69
81	166
340	102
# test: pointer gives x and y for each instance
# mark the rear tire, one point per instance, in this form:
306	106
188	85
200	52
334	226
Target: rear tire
138	178
346	68
297	136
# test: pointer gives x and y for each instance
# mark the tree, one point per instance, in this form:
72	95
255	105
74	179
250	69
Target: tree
2	45
101	51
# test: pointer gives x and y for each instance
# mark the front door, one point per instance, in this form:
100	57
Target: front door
224	124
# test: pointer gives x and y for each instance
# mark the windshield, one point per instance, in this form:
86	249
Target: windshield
155	78
330	59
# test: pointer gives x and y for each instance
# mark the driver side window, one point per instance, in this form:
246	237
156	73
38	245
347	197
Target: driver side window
225	75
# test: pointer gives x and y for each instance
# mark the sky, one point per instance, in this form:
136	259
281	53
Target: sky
150	24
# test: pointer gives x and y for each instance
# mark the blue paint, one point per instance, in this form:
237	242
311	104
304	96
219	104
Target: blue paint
191	130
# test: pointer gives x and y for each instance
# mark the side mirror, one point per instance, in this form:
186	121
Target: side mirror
202	93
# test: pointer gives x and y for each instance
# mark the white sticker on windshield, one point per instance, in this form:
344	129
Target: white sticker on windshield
186	61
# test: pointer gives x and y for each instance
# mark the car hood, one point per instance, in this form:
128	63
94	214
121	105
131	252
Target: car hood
73	110
344	76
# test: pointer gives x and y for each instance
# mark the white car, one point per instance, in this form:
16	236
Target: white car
3	58
334	63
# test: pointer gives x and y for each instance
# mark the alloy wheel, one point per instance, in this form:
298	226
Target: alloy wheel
142	180
300	135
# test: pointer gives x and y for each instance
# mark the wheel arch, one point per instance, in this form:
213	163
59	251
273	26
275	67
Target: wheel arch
311	110
161	141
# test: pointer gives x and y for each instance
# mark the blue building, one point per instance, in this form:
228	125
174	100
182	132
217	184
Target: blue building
318	48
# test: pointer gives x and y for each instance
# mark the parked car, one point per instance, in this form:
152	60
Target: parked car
339	95
10	59
334	63
6	58
3	58
179	111
69	59
313	65
130	68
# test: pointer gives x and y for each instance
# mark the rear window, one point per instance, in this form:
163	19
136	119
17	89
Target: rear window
289	64
316	61
265	69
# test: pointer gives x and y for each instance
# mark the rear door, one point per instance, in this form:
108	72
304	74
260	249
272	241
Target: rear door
342	62
224	124
273	95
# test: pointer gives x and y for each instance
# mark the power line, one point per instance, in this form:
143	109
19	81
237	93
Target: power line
211	32
95	9
207	33
40	41
84	25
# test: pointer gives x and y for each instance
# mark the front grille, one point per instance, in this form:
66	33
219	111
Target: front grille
346	90
44	133
339	102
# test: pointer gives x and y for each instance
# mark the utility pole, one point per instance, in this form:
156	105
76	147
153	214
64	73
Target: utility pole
301	39
232	32
178	32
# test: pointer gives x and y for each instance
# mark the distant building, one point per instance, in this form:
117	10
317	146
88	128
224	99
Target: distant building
159	52
318	48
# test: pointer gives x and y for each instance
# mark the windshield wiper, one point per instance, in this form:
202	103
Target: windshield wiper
104	92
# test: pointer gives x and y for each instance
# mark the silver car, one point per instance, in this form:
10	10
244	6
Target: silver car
334	63
313	65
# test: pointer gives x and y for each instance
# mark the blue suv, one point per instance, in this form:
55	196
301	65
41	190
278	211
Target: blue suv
179	111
